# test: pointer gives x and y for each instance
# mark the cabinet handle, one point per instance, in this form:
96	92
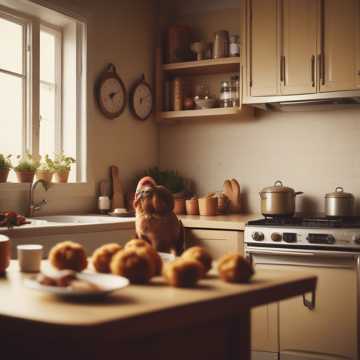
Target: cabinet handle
323	68
320	68
282	69
310	304
313	70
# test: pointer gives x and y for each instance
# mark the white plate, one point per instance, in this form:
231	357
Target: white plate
107	283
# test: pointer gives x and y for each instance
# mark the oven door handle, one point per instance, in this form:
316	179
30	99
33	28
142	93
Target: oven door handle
318	253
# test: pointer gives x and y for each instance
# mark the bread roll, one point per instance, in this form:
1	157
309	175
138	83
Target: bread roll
136	243
102	257
199	254
153	256
235	268
132	265
182	272
68	255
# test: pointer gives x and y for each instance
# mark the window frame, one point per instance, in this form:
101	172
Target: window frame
28	15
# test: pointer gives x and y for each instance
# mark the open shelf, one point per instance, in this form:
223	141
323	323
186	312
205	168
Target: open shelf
183	114
204	67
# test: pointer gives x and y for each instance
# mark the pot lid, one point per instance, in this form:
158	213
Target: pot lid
277	188
339	193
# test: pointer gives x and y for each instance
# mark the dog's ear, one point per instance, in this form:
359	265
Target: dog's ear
163	200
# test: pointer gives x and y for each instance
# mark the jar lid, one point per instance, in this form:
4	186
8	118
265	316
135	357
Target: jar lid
339	193
277	188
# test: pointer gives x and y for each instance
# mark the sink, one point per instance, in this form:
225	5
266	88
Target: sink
80	219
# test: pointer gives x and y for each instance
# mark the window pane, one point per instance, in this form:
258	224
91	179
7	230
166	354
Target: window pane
11	46
11	114
47	57
47	120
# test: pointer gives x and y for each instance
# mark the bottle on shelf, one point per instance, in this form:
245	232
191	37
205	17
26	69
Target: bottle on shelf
225	94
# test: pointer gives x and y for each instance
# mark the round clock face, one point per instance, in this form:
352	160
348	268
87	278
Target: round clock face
141	101
111	94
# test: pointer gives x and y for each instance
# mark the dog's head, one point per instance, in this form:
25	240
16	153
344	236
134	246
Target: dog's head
153	199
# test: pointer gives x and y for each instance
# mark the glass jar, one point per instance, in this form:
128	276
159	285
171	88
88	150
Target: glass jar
235	90
225	94
234	48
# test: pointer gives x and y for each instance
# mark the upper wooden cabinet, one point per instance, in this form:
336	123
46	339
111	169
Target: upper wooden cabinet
263	48
301	49
339	21
298	46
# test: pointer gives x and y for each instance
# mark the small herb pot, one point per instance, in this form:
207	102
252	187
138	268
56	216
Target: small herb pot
61	176
179	205
4	175
192	206
45	175
25	176
208	206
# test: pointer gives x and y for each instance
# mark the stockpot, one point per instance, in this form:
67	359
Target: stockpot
278	200
339	203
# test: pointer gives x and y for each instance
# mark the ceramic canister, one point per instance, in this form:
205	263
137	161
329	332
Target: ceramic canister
4	253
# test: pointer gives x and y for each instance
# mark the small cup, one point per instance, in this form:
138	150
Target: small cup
29	257
179	206
208	206
4	253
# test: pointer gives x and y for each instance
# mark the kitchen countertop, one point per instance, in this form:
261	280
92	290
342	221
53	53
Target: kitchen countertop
140	315
220	222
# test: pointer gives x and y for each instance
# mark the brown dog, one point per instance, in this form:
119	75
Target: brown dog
155	219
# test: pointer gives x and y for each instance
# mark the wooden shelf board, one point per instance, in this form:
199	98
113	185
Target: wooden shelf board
204	67
167	115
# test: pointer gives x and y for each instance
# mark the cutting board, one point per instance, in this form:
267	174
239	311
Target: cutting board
118	192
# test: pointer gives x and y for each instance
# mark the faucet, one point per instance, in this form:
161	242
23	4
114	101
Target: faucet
36	207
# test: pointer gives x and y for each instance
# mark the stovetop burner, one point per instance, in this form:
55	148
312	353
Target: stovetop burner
309	222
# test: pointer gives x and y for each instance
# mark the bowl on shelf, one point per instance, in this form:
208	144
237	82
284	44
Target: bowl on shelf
205	103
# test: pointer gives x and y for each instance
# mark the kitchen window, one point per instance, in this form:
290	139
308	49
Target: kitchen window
42	81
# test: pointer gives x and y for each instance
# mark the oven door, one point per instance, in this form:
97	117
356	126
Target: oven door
323	325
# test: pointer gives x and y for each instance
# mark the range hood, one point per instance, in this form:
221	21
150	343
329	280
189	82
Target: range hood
311	105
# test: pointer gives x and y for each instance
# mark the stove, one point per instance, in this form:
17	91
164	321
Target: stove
305	233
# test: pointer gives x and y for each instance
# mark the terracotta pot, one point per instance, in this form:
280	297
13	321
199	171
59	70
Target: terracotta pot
4	175
45	175
25	176
4	253
208	206
62	176
179	207
192	207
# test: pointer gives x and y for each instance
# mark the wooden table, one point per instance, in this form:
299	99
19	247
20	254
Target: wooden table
154	321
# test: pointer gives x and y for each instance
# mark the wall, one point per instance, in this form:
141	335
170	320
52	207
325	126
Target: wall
311	152
121	32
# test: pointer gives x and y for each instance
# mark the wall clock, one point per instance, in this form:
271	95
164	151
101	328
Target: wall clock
110	93
141	101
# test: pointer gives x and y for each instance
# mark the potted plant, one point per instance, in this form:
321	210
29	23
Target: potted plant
26	168
172	181
5	166
45	170
62	166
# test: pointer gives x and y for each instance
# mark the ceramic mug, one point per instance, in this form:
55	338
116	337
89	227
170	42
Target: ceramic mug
4	253
29	257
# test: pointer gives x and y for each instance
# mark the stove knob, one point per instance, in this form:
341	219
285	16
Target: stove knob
356	239
330	239
258	236
276	237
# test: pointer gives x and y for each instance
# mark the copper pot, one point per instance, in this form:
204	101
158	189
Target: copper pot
278	200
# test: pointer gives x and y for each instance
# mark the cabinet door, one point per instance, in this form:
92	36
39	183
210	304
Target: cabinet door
265	325
339	25
217	242
299	38
331	328
263	48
